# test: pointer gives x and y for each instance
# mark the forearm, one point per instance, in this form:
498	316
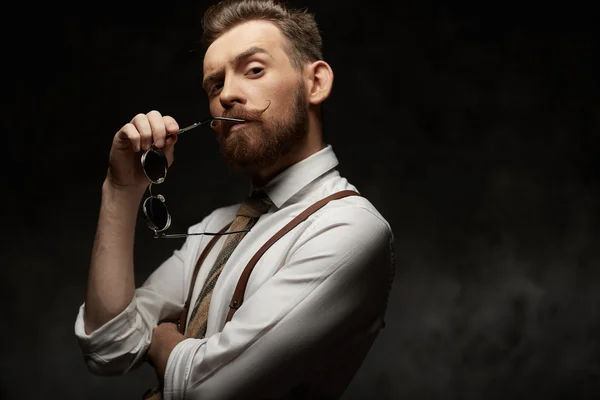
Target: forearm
111	284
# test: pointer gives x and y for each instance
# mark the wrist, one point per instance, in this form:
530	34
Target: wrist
119	206
122	194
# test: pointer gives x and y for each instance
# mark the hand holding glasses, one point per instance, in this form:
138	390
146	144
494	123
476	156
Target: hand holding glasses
155	166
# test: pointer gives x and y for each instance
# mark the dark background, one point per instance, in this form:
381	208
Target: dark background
474	130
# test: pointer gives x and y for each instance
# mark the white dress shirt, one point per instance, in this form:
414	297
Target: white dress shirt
313	306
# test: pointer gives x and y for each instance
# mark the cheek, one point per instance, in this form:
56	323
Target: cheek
281	99
215	107
276	88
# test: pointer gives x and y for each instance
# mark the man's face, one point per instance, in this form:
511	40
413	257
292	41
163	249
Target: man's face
248	75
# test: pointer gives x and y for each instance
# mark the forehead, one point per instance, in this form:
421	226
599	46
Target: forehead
262	34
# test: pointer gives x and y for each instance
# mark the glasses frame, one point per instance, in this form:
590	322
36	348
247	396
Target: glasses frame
158	232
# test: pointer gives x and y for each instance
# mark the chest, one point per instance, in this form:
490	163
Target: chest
254	260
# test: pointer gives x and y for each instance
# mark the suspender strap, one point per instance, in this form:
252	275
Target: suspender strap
186	307
238	294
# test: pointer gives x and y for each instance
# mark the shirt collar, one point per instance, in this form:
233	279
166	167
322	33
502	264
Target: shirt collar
294	178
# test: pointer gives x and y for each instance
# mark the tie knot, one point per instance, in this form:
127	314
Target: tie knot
255	205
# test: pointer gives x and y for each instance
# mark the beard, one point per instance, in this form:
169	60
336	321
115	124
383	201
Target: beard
263	142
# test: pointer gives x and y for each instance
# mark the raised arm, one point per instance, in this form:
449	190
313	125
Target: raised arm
111	284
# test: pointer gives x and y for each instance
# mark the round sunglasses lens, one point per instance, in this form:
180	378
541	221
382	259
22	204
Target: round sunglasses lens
156	213
155	165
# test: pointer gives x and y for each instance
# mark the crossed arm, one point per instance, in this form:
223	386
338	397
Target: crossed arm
164	339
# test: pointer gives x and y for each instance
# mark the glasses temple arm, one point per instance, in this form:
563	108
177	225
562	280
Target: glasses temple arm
197	124
183	235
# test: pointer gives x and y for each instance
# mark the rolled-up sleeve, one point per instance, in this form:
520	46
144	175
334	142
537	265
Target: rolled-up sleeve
121	343
328	299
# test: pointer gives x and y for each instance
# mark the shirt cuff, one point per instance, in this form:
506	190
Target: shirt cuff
179	367
104	343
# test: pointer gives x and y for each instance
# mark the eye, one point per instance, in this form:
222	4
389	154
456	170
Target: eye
216	87
255	71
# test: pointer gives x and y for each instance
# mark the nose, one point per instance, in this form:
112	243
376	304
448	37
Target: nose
231	94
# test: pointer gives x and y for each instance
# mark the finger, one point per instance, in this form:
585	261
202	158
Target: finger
158	128
169	148
142	124
127	136
170	124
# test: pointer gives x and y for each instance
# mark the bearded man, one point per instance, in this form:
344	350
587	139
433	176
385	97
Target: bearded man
278	297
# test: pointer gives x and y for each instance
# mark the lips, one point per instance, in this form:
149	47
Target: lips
227	128
235	126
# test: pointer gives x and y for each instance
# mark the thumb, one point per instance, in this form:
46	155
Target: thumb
169	149
124	140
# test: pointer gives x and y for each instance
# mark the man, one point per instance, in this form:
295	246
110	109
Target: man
315	300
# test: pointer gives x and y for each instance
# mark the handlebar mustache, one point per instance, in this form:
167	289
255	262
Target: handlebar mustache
246	115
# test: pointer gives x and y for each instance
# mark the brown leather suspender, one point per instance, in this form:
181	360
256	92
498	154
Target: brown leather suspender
238	294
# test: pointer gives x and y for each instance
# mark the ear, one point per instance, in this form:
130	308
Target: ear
320	82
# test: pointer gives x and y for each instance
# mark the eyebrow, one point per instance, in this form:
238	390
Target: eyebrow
236	60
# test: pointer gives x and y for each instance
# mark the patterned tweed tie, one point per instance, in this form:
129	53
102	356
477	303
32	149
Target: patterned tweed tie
246	217
249	212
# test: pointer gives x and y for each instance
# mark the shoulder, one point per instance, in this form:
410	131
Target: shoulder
350	223
356	215
356	211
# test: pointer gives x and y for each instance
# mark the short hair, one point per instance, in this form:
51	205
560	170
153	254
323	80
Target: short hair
297	26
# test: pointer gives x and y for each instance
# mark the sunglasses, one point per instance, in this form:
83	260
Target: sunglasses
155	166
